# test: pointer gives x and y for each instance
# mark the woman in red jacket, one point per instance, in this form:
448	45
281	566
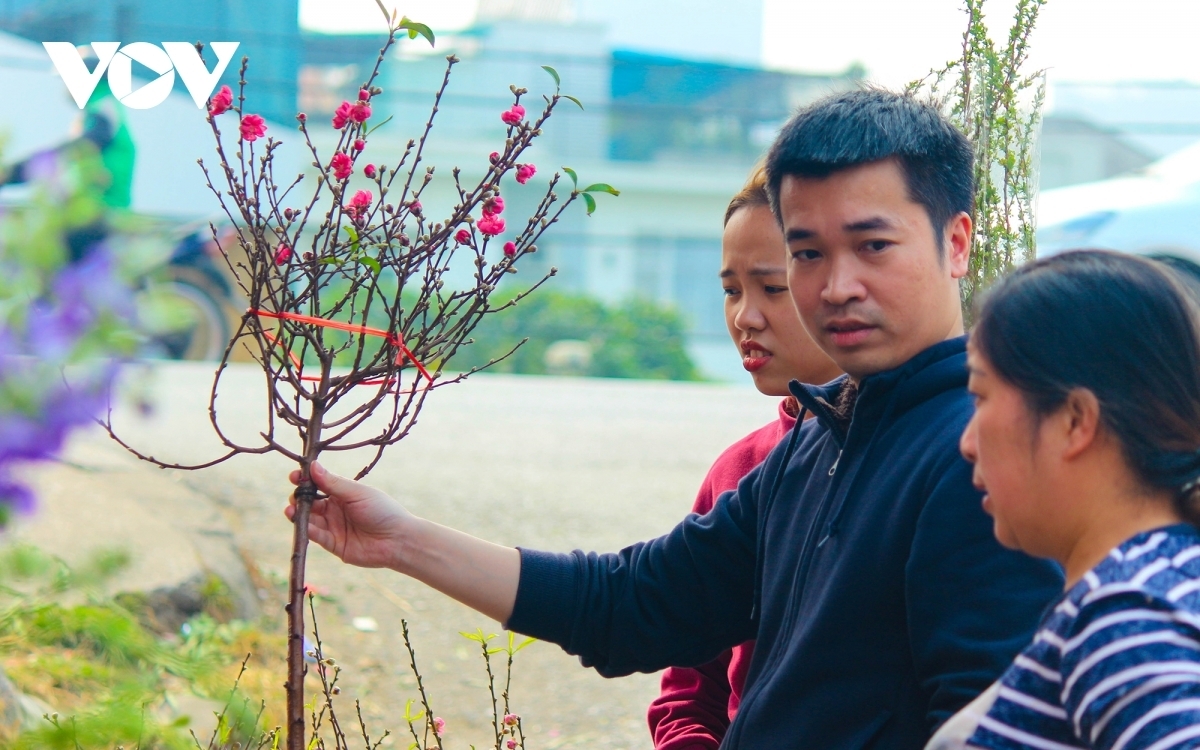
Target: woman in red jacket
696	706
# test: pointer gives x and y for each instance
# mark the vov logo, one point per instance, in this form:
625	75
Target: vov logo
117	61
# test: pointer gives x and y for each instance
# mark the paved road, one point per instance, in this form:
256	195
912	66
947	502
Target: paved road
542	462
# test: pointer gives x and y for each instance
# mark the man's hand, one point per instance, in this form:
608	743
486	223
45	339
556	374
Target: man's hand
365	527
358	523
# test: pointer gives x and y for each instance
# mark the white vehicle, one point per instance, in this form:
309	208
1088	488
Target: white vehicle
1154	212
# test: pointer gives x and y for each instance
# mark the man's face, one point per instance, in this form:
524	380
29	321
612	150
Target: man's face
864	269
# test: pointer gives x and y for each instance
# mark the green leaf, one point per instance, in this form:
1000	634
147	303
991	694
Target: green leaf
380	125
577	102
523	644
371	263
600	187
574	177
330	262
413	28
553	74
591	203
353	238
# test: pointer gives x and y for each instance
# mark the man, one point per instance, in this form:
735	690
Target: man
857	554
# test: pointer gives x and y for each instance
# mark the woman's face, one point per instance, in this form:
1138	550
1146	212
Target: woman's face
1013	465
762	320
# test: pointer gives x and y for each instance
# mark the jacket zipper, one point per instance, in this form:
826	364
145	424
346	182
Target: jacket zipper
795	596
833	469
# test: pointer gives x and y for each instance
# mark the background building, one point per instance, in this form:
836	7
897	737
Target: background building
268	31
676	121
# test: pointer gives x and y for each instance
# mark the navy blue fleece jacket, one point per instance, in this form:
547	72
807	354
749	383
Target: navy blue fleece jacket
861	562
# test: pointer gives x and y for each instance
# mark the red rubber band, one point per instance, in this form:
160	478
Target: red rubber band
349	327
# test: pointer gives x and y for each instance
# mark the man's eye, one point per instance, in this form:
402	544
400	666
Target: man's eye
775	289
806	255
878	245
730	291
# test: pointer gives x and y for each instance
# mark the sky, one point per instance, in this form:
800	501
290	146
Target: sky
898	40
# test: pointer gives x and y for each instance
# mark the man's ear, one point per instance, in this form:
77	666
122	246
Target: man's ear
957	244
1080	422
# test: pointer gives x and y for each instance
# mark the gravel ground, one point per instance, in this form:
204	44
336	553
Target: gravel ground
541	462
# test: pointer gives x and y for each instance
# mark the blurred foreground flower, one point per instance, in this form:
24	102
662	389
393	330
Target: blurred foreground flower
63	324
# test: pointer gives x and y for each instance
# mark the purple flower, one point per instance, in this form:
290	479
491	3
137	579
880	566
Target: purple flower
40	403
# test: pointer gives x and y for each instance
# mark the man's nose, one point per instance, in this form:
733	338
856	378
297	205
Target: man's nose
843	284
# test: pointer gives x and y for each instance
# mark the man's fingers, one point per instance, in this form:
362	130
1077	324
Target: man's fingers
294	477
330	483
321	536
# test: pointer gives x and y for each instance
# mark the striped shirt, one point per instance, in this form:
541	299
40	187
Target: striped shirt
1116	663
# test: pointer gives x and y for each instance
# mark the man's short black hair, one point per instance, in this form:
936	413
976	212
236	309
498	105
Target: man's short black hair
868	125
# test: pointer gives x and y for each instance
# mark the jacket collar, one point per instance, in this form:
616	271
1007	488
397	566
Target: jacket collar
938	368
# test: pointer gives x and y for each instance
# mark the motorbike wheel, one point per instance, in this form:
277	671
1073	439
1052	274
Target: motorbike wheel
208	334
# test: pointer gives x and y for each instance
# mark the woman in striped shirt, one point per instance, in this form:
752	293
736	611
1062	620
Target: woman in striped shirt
1085	368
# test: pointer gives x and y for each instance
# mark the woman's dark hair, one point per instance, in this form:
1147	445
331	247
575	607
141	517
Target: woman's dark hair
868	125
1123	327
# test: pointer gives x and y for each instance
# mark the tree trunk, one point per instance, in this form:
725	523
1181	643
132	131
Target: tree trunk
306	492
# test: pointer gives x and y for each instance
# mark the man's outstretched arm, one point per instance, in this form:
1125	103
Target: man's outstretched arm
364	527
678	600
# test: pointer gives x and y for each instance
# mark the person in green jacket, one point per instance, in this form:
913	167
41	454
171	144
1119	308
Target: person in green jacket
102	152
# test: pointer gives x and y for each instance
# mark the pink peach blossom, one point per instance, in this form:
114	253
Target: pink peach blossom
513	116
490	225
462	237
253	128
342	165
524	172
360	203
221	101
493	206
360	112
369	171
510	249
283	254
341	115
